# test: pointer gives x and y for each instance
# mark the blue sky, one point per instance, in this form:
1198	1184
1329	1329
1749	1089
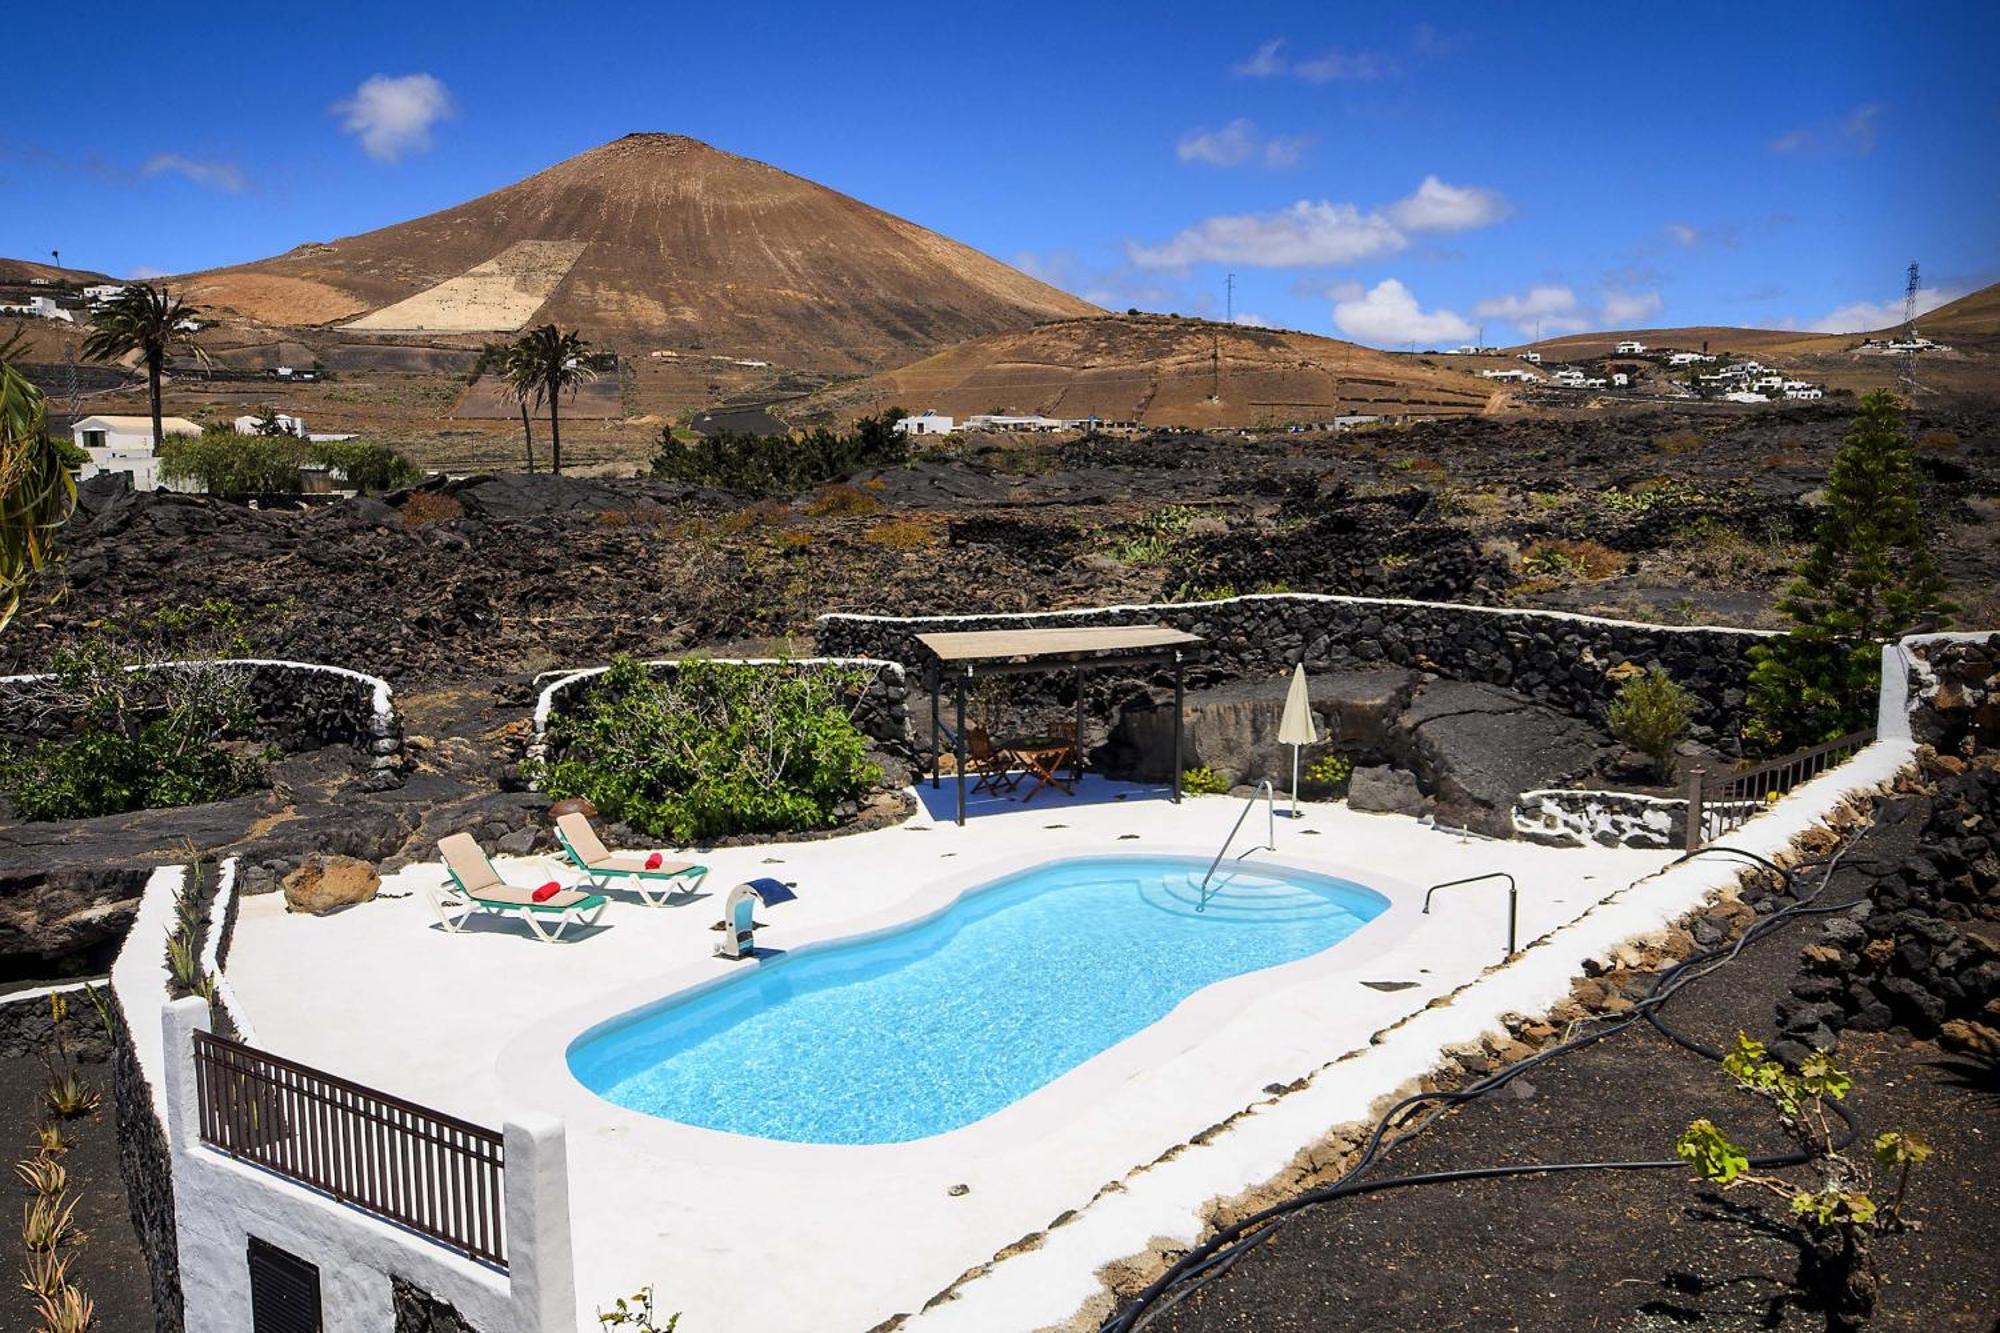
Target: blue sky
1383	172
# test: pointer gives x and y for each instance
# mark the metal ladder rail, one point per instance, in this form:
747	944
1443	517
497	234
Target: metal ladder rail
1513	902
1265	790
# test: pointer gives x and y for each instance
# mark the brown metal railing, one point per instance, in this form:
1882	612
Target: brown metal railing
435	1174
1728	800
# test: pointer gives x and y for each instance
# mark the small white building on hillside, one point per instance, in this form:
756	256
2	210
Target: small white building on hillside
103	291
997	422
40	307
927	422
1630	347
1533	358
125	444
290	425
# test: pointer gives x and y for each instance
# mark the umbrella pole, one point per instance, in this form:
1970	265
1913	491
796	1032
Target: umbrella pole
1295	780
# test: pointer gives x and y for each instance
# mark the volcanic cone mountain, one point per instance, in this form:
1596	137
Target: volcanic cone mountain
660	237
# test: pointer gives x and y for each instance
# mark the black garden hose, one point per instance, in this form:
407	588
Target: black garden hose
1219	1251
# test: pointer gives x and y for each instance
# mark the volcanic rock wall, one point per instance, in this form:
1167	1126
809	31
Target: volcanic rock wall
1563	661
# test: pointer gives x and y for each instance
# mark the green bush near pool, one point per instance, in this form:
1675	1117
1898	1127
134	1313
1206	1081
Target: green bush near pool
712	749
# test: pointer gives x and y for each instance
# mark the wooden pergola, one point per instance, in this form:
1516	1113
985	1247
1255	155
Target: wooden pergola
967	655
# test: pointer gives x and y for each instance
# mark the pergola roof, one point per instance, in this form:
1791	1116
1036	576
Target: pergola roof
1056	647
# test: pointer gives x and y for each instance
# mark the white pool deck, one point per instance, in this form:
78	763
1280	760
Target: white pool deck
748	1234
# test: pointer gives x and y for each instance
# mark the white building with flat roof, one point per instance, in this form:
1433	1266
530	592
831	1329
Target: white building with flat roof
927	422
125	444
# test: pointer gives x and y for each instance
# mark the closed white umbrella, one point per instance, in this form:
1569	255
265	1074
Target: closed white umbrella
1296	727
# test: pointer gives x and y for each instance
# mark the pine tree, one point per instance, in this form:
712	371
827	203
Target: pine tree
1868	578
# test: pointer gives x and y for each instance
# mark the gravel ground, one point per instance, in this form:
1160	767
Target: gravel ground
1634	1251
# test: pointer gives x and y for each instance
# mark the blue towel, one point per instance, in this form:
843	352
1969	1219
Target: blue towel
772	891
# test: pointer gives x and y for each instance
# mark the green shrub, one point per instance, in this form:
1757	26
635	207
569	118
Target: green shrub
369	468
225	463
781	464
1651	714
1330	771
712	749
143	740
1204	781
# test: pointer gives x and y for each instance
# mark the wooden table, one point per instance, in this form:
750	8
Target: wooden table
1044	756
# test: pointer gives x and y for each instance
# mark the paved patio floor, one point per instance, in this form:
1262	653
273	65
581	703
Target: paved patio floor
748	1234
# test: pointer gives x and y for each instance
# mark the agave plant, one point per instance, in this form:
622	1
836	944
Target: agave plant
42	1174
66	1311
37	493
48	1222
70	1095
44	1273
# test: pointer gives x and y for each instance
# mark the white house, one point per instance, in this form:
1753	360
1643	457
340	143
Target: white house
290	425
40	307
927	422
103	291
1620	380
1690	358
1516	376
1745	396
1800	389
1630	347
125	444
995	422
1769	379
1534	357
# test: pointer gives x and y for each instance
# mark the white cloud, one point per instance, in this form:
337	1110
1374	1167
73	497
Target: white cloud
1266	63
394	115
1684	235
1437	206
224	176
1389	314
1238	142
1855	132
1868	316
1621	307
1541	311
141	272
1334	65
1269	61
1306	235
1250	321
1319	233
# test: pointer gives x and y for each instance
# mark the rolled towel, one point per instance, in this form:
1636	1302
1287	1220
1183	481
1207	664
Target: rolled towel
546	892
653	861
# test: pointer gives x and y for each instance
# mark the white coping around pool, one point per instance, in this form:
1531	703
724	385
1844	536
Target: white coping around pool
754	1234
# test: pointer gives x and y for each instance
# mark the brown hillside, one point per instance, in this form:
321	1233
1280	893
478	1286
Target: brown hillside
1162	371
1975	317
656	237
27	270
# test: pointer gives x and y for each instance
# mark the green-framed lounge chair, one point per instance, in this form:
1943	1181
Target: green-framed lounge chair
654	884
473	885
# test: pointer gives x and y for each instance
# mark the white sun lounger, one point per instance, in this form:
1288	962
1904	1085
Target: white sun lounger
475	886
654	884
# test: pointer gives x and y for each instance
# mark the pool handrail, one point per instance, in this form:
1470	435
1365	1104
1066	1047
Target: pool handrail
1265	790
1513	901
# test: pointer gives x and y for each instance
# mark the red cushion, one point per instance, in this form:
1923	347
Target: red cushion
653	861
547	891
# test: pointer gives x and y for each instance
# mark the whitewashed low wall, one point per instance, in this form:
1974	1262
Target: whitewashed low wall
1607	818
219	1203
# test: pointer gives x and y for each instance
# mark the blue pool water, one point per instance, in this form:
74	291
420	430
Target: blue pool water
927	1029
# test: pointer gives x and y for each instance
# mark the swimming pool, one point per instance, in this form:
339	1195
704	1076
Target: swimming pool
911	1033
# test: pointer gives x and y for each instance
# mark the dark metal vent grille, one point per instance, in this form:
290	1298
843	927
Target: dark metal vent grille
284	1291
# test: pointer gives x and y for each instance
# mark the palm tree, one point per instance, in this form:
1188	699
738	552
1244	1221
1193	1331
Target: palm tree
37	492
147	320
496	359
546	363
